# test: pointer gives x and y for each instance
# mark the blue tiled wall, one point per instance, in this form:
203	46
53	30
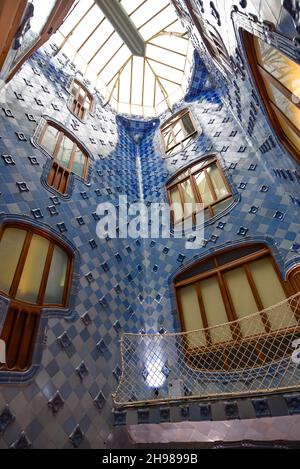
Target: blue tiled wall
126	285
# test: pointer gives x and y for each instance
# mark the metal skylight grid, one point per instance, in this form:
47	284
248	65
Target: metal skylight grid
145	86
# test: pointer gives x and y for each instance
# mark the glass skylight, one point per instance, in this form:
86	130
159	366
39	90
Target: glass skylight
146	86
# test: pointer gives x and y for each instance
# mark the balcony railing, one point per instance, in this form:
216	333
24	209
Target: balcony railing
253	355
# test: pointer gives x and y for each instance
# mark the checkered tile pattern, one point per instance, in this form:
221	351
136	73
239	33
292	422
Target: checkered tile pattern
126	285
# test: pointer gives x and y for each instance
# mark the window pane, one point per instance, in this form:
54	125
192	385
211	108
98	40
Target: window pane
37	23
198	166
285	105
57	277
235	254
81	94
203	187
187	124
33	270
169	138
181	176
65	150
271	292
176	201
290	134
217	181
188	196
192	315
79	163
243	301
197	269
215	310
176	133
267	282
173	151
50	139
88	103
279	65
286	72
75	88
10	250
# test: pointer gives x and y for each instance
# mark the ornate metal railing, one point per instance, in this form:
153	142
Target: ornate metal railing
253	355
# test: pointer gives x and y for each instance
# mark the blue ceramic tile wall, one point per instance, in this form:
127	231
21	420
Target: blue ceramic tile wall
110	274
126	285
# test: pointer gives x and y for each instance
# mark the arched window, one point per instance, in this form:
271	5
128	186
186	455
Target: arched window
81	101
68	156
202	182
35	273
227	287
18	39
277	79
210	37
178	132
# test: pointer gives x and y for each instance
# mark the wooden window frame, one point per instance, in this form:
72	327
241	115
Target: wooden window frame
21	325
243	261
259	74
211	39
57	170
74	104
177	181
55	20
30	231
11	13
171	122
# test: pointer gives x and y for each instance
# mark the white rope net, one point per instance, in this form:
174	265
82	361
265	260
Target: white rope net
253	355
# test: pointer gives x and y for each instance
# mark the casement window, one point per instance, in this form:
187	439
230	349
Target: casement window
277	80
25	26
210	37
178	132
35	273
224	289
204	183
68	157
81	100
11	14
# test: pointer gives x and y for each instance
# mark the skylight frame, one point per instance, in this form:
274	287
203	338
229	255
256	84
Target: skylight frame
139	93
